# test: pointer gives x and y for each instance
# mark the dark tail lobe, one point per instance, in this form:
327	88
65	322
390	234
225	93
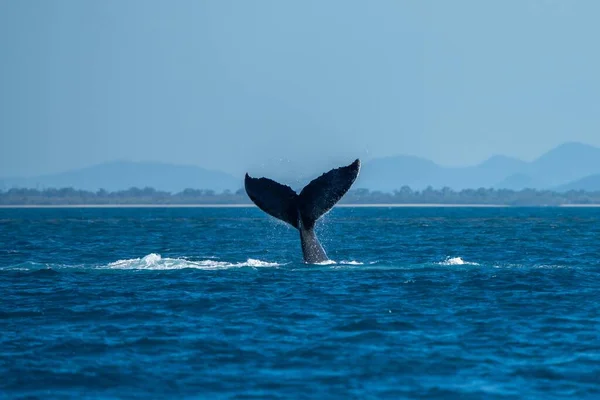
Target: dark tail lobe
318	197
275	199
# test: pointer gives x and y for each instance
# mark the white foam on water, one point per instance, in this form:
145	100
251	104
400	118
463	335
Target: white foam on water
352	262
544	266
156	262
456	261
540	266
337	264
327	262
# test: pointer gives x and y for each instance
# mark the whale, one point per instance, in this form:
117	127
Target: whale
303	210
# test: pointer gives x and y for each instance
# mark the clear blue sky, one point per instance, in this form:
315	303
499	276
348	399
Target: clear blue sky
230	84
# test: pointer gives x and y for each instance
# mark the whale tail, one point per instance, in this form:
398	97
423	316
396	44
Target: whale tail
318	197
303	210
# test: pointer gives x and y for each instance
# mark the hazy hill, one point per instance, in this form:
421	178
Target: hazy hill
560	166
565	163
589	184
519	181
388	174
571	165
497	168
121	175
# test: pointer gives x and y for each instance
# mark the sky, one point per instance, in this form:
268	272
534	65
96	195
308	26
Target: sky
232	85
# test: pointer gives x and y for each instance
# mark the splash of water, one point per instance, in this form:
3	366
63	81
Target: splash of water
456	261
156	262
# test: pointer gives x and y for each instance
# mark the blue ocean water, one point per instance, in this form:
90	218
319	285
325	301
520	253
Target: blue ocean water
469	303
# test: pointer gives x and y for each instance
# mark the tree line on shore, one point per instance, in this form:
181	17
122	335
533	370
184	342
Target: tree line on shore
405	195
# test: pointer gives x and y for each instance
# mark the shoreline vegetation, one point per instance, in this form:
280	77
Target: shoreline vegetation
404	197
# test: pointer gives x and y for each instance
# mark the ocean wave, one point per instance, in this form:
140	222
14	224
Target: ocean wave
326	262
456	261
534	266
156	262
352	262
338	263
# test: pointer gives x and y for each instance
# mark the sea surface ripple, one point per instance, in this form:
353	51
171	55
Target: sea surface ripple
467	303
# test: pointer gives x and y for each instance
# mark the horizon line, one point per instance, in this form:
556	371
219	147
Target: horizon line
358	205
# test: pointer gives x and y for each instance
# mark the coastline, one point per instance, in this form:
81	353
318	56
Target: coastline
374	205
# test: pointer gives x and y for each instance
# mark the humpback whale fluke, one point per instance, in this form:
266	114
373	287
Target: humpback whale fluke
303	210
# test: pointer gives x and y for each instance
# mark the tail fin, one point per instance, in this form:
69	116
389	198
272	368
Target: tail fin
320	195
275	199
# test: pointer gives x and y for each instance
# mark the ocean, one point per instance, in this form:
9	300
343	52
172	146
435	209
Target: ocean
216	303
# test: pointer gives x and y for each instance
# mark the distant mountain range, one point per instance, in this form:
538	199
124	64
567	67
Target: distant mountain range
589	183
570	166
122	175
